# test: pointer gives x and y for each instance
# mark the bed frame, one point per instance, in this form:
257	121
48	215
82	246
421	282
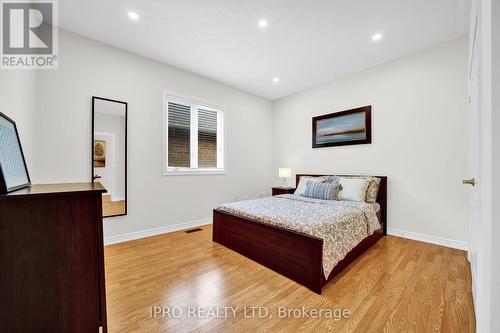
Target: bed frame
293	254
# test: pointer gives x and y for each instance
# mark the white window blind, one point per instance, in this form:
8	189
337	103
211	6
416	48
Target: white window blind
194	137
179	135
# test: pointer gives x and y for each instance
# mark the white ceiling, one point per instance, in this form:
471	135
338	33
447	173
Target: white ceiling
306	43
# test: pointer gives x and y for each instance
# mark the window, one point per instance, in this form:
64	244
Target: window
193	140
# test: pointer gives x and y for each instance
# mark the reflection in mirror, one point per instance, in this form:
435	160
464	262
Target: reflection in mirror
109	153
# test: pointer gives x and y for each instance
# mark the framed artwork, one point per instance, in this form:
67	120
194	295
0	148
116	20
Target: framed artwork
13	171
99	154
350	127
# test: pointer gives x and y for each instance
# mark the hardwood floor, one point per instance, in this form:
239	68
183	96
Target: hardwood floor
111	208
398	285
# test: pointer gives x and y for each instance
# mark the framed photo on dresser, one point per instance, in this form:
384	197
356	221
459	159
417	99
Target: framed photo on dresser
13	171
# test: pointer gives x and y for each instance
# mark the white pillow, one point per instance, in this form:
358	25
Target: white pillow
352	189
301	188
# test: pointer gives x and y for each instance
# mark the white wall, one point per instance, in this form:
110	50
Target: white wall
418	135
18	102
89	68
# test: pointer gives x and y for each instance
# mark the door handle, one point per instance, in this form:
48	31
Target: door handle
471	181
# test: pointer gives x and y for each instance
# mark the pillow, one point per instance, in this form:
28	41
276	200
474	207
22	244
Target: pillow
352	189
373	187
322	191
301	187
332	180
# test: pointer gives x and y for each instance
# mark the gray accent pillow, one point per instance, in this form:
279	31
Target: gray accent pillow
321	190
301	186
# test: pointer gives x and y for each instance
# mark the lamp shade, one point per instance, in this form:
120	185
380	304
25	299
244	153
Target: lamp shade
285	172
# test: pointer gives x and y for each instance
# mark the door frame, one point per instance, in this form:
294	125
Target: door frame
112	159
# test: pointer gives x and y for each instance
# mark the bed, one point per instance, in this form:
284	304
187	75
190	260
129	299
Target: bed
295	254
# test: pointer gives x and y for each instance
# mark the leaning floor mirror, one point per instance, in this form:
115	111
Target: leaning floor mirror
109	153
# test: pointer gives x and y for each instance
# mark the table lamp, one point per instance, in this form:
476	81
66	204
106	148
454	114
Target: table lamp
284	173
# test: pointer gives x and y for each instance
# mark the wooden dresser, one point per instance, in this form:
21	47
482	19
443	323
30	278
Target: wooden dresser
51	259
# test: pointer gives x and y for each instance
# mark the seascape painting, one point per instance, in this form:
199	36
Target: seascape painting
342	128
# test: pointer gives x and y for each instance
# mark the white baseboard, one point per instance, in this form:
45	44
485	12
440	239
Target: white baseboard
156	231
429	239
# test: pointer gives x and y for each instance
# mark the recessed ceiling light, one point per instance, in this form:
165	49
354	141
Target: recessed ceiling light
133	15
276	80
376	37
262	23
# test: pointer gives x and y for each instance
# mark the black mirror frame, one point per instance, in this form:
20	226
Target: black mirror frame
126	149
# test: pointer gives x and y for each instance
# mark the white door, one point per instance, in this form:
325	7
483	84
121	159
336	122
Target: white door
473	181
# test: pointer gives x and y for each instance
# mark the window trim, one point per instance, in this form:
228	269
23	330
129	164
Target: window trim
169	96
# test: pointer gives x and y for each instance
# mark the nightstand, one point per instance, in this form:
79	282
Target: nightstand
283	190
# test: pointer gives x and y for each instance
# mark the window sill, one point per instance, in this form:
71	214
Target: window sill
193	172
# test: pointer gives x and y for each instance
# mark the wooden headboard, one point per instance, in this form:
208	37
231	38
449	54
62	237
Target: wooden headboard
381	198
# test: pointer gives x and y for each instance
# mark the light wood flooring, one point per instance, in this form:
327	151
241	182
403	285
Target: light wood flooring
398	285
111	208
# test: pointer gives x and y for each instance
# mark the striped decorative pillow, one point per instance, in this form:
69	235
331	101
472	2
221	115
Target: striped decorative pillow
301	187
321	191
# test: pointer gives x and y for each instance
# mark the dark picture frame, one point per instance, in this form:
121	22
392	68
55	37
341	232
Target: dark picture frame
4	189
94	98
361	133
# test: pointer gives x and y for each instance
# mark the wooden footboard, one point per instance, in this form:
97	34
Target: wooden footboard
294	255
